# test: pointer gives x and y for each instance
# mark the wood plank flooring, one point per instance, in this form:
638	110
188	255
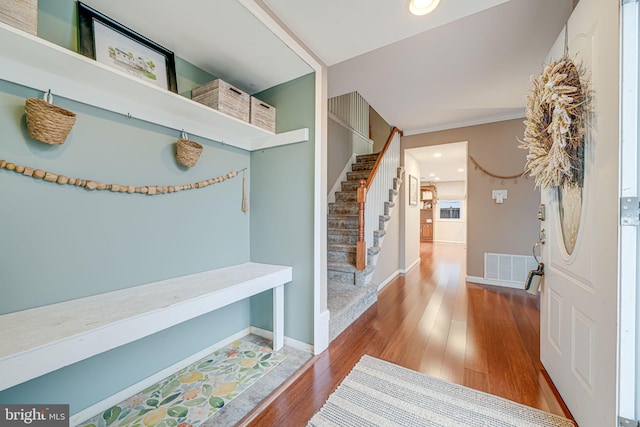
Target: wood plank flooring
430	320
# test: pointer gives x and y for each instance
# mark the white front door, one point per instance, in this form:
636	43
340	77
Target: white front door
579	305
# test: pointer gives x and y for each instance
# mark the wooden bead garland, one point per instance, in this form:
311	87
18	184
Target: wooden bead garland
116	188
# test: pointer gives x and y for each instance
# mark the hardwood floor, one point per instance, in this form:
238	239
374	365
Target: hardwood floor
431	321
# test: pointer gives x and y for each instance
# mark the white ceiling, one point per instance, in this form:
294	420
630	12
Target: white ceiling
339	30
467	62
441	163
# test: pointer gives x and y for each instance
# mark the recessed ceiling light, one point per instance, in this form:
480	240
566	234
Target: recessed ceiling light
437	179
460	170
432	174
422	7
437	154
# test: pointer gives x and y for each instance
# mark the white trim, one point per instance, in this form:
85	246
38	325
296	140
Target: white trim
388	280
628	394
457	242
288	341
260	10
501	283
484	121
284	138
343	177
324	328
118	397
411	266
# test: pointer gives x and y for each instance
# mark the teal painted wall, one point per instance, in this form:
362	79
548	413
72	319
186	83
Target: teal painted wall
282	208
61	242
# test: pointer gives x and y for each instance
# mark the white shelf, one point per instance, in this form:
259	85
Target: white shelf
43	339
30	61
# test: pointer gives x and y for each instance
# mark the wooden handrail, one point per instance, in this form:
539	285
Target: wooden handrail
382	153
361	246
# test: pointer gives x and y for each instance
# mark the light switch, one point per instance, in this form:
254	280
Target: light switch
499	195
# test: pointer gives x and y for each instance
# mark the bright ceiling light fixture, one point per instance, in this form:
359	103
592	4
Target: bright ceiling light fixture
422	7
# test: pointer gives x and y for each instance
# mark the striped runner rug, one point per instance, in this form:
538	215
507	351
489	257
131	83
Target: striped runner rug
379	393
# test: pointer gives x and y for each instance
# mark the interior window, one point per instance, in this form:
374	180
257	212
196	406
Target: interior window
450	209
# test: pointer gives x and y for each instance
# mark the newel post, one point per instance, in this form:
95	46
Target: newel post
361	246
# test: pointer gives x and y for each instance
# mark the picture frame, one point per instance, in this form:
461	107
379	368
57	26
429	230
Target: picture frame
111	43
413	190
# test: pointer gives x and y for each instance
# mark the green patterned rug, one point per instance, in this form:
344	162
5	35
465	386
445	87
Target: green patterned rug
192	395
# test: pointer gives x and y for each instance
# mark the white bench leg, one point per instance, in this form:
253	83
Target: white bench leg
278	317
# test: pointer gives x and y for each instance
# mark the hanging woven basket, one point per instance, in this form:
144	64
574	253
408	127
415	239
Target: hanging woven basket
188	152
48	123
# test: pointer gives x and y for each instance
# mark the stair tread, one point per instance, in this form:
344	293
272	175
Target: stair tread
342	230
347	268
343	203
341	247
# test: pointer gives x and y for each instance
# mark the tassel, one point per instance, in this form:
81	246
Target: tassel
245	205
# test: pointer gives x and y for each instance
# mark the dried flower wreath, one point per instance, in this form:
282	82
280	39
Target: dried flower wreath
555	125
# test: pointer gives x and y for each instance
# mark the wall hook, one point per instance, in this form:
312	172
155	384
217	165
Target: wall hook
184	135
48	97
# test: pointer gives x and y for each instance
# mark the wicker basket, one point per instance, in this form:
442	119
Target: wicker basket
188	152
263	115
22	14
48	123
223	97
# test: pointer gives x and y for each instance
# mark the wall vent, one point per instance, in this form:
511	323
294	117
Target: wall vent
508	268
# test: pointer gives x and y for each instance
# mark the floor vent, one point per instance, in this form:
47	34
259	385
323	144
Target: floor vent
508	268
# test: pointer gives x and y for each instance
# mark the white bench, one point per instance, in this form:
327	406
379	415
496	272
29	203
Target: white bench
36	341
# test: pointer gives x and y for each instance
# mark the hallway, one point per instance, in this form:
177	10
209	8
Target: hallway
431	321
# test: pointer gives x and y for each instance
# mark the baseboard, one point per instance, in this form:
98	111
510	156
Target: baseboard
290	342
388	280
455	242
411	266
502	283
112	400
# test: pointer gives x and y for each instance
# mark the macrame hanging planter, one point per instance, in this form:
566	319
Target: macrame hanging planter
556	113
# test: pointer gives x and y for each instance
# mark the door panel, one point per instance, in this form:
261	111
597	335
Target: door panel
579	296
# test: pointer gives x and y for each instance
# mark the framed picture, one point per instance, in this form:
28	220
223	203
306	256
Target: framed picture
110	43
413	190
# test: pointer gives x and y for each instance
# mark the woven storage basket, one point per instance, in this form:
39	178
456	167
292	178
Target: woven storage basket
223	97
263	115
22	14
48	123
188	152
